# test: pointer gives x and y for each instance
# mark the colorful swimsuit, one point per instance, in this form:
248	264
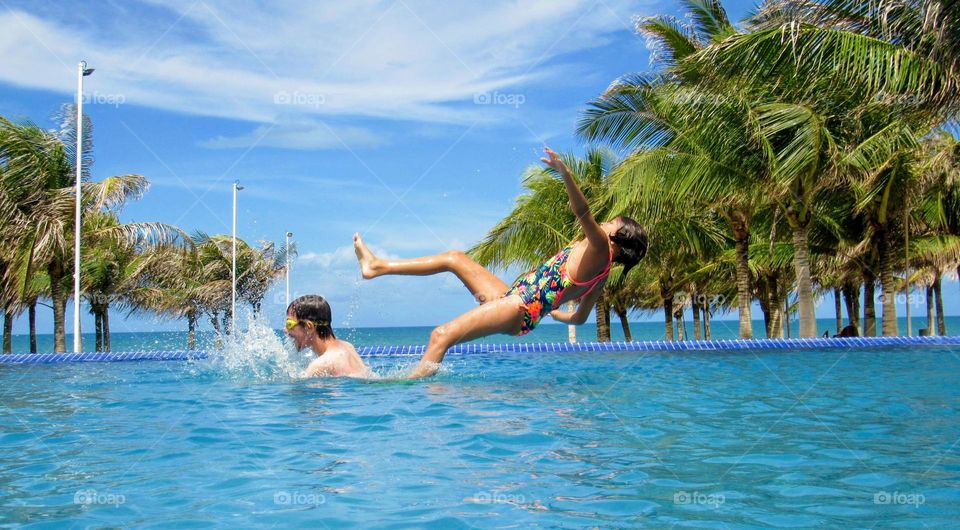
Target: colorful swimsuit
542	287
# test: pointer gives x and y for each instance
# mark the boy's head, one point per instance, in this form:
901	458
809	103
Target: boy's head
309	316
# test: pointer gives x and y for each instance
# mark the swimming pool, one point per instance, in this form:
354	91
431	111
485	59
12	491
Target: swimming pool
607	439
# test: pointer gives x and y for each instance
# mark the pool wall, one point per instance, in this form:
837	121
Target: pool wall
860	343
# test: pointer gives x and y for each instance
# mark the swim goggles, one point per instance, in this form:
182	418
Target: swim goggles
291	323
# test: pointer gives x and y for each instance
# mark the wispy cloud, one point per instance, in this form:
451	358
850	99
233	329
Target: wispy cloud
293	64
303	135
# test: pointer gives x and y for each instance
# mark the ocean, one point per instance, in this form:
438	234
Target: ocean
177	340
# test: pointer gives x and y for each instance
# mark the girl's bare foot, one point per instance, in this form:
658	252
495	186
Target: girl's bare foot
366	258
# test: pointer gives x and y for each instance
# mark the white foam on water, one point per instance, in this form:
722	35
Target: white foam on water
255	352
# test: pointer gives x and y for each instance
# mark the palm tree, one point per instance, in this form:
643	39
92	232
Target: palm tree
178	286
115	267
690	140
904	50
214	254
40	162
933	255
263	266
692	146
936	249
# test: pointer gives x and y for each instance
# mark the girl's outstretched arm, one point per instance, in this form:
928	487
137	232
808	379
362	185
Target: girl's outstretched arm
583	310
578	203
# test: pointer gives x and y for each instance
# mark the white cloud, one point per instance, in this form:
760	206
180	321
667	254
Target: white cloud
302	135
294	65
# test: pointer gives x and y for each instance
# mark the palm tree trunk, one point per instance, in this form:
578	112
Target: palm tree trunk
603	318
930	329
765	306
621	311
742	238
851	298
776	306
678	318
191	330
667	314
32	317
55	271
215	320
938	294
801	247
98	329
837	308
706	321
7	331
106	327
869	307
696	317
886	285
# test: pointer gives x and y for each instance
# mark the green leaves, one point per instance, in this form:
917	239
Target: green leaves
801	144
541	221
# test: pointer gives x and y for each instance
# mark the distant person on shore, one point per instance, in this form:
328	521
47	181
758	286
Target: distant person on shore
849	331
518	309
309	320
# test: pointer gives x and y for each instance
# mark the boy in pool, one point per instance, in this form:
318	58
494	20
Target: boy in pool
518	309
309	325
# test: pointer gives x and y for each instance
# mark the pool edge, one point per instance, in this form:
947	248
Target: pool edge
820	343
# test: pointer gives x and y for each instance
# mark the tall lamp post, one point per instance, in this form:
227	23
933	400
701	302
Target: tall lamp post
289	235
233	283
82	71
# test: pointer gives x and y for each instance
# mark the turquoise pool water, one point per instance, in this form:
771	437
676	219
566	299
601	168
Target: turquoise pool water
742	440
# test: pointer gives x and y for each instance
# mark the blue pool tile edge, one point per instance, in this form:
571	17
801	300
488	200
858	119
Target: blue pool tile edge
642	346
700	345
34	358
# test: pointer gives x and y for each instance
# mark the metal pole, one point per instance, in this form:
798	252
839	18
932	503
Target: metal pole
233	257
786	312
77	340
289	235
906	264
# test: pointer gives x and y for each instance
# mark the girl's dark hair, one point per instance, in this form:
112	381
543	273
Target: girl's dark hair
313	308
632	240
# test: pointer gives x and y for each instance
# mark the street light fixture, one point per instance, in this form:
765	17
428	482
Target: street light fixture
233	284
287	255
82	71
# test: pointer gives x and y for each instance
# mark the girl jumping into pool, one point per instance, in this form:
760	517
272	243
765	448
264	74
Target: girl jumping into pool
517	309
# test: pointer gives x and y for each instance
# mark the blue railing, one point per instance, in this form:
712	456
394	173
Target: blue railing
644	346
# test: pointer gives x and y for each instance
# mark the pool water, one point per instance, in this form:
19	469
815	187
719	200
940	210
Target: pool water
773	439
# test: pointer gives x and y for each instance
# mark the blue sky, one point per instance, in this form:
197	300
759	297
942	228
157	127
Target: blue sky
409	121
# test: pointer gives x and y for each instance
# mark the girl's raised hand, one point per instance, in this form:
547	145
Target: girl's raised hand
553	160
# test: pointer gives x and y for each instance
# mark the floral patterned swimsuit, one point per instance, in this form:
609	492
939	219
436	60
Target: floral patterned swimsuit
542	287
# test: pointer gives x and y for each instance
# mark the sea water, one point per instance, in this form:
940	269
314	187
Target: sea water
414	335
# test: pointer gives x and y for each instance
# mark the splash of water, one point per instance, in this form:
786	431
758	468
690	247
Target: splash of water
256	353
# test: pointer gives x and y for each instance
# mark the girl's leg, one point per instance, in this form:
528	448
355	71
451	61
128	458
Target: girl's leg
483	285
504	315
